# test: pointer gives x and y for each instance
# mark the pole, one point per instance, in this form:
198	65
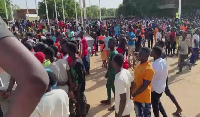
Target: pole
76	15
63	11
6	9
47	11
100	10
85	9
11	11
80	2
179	9
27	9
56	11
36	9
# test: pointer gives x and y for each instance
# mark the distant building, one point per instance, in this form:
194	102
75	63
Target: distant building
21	13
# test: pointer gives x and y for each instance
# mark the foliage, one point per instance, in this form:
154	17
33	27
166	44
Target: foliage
93	12
69	7
2	8
150	7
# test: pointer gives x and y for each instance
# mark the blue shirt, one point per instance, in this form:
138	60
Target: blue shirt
131	37
106	42
116	29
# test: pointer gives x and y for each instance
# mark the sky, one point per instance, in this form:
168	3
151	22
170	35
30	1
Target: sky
104	3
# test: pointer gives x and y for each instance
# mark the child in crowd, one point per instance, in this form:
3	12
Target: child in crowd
101	39
54	103
122	49
110	75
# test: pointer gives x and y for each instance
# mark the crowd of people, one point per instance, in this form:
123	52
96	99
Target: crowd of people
123	44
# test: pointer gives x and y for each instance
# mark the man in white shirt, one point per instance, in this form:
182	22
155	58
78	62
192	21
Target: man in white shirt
159	81
195	44
54	103
158	35
184	44
123	79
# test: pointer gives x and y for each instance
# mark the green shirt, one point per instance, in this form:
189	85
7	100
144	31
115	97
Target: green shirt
111	71
4	31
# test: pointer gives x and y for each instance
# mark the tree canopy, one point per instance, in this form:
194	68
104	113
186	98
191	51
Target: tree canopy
69	6
151	7
2	8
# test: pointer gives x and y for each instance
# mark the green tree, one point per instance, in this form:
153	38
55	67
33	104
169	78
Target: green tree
69	6
93	12
2	8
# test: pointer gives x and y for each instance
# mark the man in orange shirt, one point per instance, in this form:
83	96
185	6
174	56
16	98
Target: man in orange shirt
141	86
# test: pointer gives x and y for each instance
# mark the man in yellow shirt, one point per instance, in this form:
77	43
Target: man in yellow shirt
141	86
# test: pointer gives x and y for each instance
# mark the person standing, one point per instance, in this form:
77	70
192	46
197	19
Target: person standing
150	36
110	75
159	81
158	35
168	93
78	81
131	44
195	45
141	86
84	53
123	79
183	54
117	31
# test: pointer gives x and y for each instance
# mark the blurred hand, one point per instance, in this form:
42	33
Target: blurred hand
6	94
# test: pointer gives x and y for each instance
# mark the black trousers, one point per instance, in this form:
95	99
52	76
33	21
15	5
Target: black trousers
157	105
150	42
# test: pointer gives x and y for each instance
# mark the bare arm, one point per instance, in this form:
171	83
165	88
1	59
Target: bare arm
29	74
142	88
122	104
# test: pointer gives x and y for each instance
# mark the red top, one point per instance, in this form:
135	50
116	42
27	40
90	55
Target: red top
120	50
125	64
57	40
69	59
84	46
173	35
58	45
60	24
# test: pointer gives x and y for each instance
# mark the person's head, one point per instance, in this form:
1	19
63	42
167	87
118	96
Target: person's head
49	54
49	42
71	49
156	52
184	35
40	56
29	46
55	48
144	54
122	42
112	43
40	47
117	61
103	32
52	79
81	34
130	29
160	44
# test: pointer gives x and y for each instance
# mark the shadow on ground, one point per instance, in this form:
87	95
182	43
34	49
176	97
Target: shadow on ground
98	108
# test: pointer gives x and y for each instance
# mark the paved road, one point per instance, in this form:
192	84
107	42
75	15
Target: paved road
185	87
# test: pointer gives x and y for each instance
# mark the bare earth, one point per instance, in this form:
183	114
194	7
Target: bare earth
185	87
